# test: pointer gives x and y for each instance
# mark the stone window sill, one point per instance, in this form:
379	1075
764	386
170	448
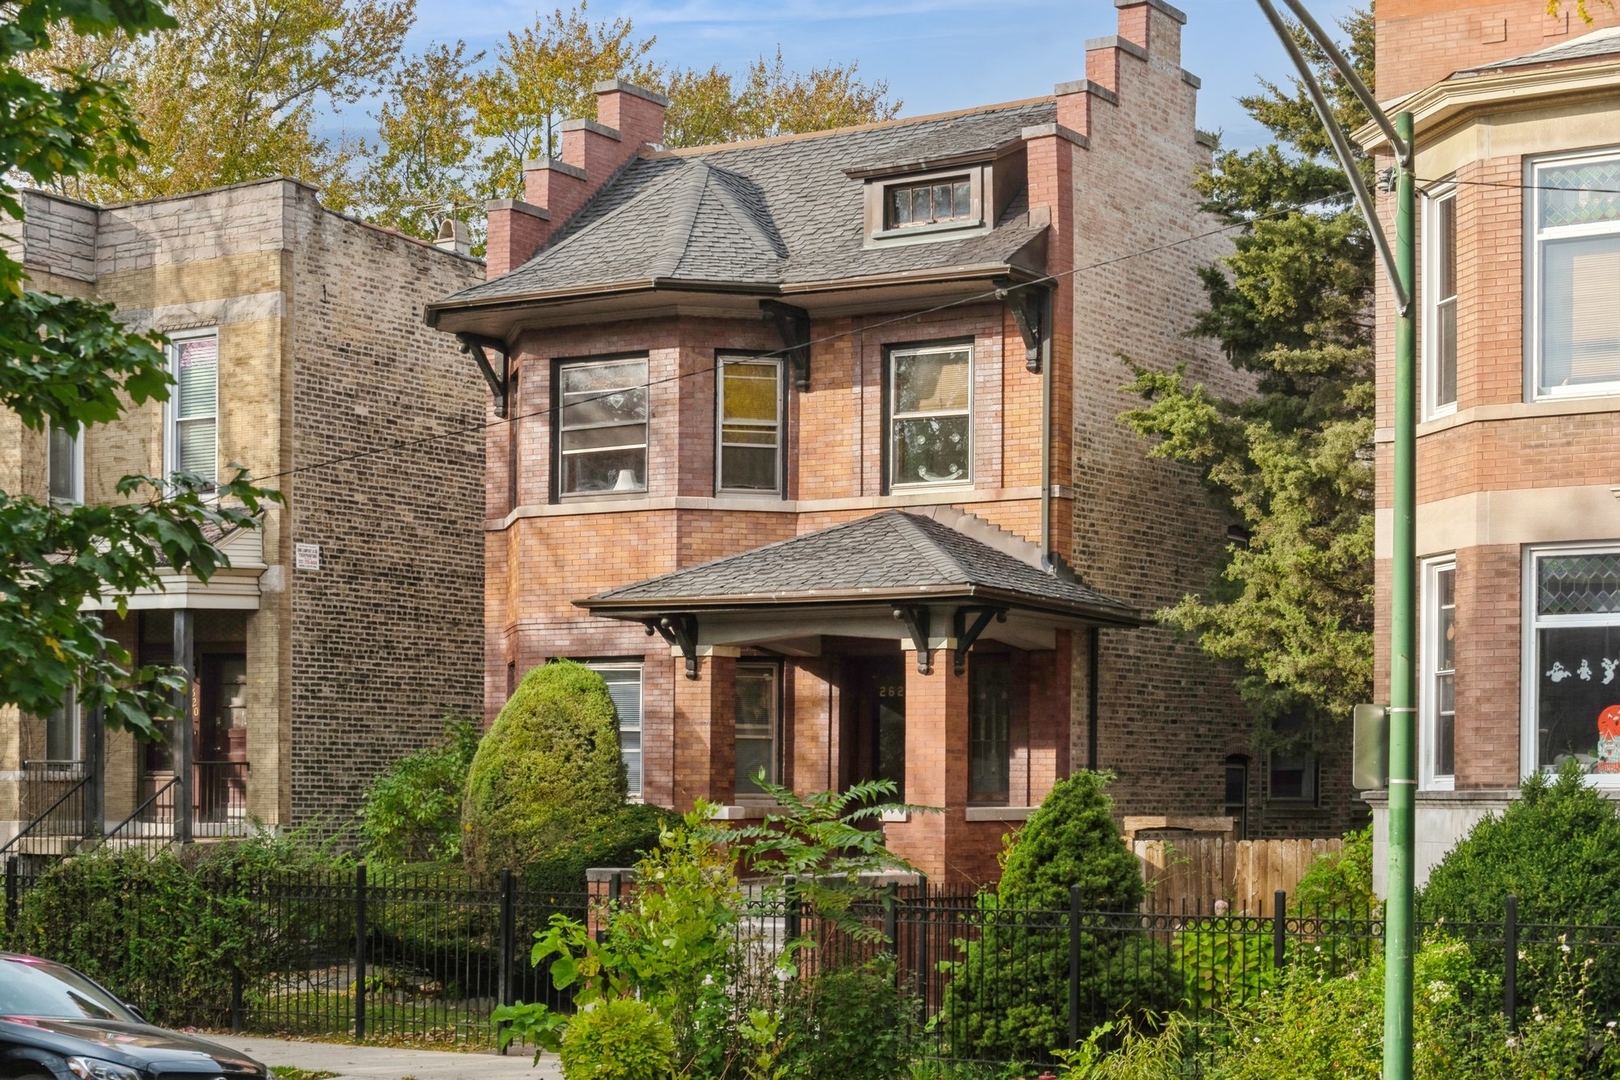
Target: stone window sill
1000	813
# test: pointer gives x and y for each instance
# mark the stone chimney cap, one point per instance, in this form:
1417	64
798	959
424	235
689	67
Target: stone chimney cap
607	86
1169	9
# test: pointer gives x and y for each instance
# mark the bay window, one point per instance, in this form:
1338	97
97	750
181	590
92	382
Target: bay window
1574	646
989	728
1438	707
1440	303
602	426
750	408
930	415
192	418
757	728
1575	258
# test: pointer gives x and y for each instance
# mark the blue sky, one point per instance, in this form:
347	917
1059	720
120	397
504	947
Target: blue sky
936	54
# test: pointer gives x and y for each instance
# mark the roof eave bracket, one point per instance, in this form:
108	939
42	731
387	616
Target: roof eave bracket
1031	307
476	344
966	635
793	323
915	616
680	631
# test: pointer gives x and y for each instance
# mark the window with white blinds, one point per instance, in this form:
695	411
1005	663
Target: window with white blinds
623	680
193	435
1576	252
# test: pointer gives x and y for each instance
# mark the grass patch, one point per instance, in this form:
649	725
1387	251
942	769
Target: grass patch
289	1072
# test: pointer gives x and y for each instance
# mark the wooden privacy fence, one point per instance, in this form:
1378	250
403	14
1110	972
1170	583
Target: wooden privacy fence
1192	872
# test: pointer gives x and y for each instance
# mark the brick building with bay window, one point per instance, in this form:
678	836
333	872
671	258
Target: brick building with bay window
811	448
1517	119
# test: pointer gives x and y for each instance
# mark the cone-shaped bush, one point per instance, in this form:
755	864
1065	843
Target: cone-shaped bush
546	773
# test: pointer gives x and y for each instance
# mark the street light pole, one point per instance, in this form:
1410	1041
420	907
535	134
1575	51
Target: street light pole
1400	264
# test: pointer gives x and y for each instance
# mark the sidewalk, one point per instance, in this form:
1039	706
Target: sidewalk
391	1063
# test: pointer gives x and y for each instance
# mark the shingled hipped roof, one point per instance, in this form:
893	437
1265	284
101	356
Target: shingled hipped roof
767	215
891	556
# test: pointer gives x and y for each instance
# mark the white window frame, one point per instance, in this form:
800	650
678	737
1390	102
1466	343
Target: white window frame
894	416
561	428
171	408
1428	689
721	363
1530	660
1433	409
774	734
76	465
1535	273
635	794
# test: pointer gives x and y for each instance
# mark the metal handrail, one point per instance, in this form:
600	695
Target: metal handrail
29	828
139	810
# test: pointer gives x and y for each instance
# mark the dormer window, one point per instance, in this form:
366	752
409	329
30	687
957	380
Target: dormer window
947	200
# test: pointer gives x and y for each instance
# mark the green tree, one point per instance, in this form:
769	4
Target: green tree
1291	306
547	772
542	76
411	812
708	107
70	363
235	90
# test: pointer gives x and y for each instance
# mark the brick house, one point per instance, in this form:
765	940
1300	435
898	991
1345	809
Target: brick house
348	627
1518	522
811	448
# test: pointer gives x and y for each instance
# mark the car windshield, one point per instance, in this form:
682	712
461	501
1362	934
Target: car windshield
41	988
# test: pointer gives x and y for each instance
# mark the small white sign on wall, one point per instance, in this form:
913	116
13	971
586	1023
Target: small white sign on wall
307	556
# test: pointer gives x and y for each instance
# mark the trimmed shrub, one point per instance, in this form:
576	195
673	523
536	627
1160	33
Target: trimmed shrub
412	811
1008	995
1557	848
619	840
618	1039
547	773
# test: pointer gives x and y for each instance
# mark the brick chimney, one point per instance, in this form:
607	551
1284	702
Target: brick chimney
627	119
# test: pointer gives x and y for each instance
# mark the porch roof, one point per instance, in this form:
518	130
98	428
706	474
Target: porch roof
894	556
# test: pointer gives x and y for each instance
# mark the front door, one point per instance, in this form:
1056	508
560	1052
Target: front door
874	742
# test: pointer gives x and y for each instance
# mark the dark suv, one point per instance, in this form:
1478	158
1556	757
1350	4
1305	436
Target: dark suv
55	1024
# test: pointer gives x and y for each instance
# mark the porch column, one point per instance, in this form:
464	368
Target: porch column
184	642
936	767
705	729
1050	710
815	724
95	765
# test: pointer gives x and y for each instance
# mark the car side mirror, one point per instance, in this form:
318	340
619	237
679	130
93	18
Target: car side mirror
138	1014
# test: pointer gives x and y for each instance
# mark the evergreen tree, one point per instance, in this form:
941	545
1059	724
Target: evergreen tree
1292	607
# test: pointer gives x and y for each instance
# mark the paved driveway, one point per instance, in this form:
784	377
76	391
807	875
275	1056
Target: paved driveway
390	1063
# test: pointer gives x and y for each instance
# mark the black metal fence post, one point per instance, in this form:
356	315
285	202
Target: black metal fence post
1074	966
791	925
508	944
1510	961
11	896
1279	929
360	935
891	924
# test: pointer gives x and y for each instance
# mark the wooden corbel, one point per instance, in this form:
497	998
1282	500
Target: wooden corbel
1031	310
966	635
915	616
680	631
476	344
793	323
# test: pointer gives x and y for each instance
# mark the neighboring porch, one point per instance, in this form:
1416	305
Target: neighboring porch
76	783
930	649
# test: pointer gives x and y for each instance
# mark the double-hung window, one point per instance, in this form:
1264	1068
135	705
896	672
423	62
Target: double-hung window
750	406
623	680
62	730
989	728
758	727
1440	293
1576	274
602	426
1439	690
193	412
930	417
1574	647
65	464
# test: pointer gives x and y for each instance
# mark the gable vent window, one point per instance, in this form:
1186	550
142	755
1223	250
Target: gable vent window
950	199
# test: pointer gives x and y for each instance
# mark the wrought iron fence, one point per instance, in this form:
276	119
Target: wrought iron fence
371	954
52	800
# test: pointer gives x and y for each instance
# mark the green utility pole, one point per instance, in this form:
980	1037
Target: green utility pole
1399	903
1401	266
